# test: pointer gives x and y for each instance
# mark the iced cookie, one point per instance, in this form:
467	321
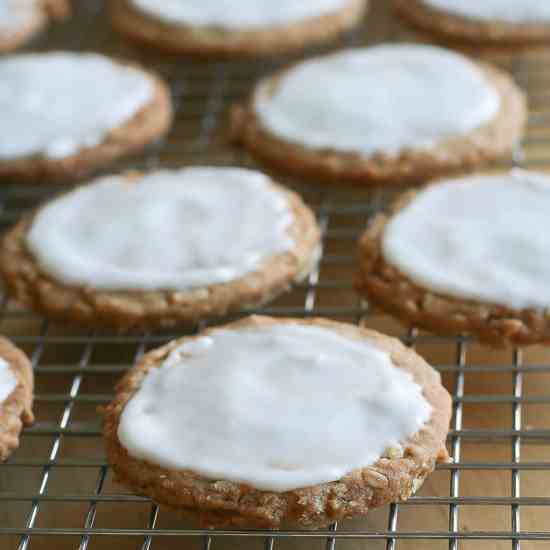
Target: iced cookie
465	256
268	423
487	22
16	394
387	114
209	28
146	251
65	114
20	20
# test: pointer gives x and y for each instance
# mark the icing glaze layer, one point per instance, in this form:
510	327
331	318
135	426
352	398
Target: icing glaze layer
15	14
278	408
510	11
381	99
483	238
55	104
170	230
8	380
249	15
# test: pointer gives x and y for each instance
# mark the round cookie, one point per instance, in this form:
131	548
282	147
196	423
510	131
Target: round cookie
213	28
16	395
149	251
63	128
465	256
487	23
302	423
20	20
387	114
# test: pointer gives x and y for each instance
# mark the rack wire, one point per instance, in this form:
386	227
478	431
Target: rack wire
57	491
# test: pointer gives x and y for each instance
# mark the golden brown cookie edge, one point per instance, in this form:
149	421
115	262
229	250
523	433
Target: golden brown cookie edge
219	503
135	311
16	409
209	42
489	143
459	30
152	122
393	292
44	11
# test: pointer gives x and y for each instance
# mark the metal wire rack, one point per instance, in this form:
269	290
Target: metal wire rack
57	491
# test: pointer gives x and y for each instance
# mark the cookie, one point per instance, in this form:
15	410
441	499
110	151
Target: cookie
149	251
274	422
66	114
387	114
465	256
16	395
209	28
21	20
487	23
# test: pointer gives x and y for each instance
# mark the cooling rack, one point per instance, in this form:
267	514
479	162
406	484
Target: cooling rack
57	491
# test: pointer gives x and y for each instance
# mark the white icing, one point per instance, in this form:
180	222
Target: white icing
15	14
380	99
8	380
247	15
278	408
58	103
484	238
171	230
510	11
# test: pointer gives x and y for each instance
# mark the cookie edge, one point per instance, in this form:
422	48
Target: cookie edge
16	409
222	503
44	11
207	42
136	311
462	30
491	142
150	123
396	294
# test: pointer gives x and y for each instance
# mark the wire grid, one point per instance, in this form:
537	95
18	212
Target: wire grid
57	491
